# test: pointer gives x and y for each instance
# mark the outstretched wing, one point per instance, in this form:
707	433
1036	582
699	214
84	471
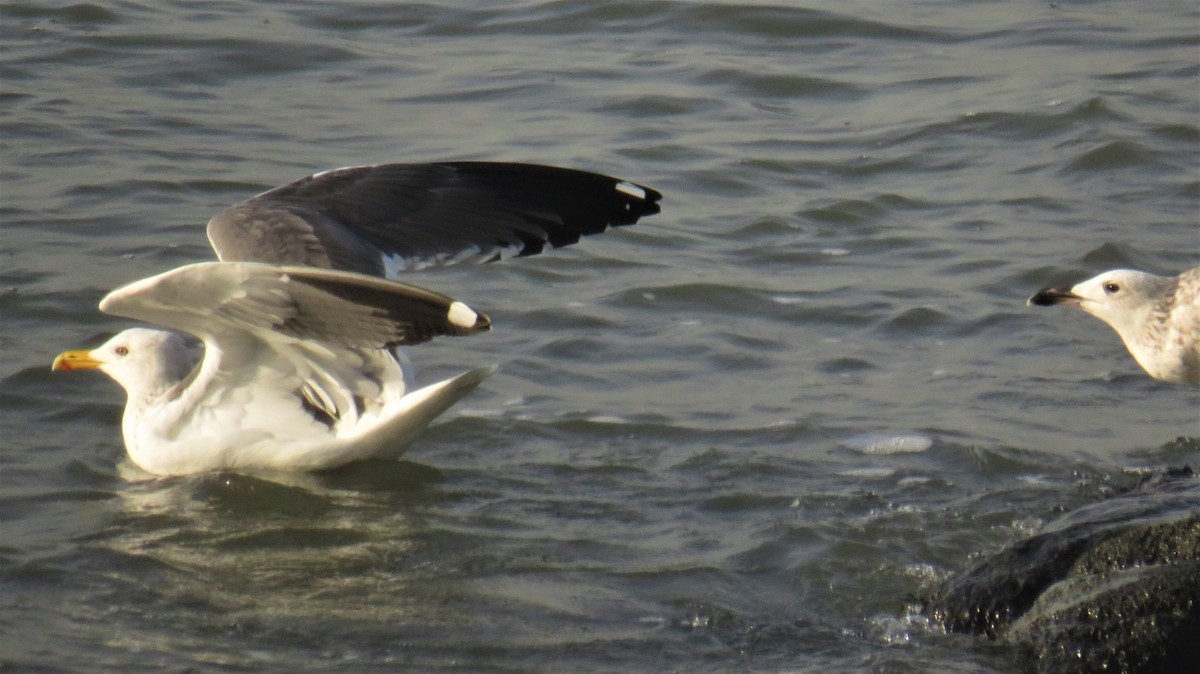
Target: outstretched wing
382	220
271	302
329	327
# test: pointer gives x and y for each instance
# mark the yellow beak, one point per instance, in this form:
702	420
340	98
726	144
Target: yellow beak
75	360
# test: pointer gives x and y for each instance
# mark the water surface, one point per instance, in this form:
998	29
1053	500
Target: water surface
740	435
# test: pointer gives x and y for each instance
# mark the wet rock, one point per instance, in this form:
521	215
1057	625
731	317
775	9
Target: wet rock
1112	587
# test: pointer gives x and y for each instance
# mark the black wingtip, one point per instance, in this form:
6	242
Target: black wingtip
389	312
462	320
640	201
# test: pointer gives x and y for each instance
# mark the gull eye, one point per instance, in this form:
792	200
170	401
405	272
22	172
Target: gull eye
122	350
1111	288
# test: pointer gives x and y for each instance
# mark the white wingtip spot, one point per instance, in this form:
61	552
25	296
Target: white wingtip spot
632	190
462	315
331	171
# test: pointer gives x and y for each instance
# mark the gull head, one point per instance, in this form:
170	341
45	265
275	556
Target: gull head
142	361
1123	298
1138	306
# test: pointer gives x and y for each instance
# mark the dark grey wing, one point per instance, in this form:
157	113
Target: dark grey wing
391	313
381	220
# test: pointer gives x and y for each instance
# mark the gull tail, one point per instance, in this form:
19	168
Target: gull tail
407	418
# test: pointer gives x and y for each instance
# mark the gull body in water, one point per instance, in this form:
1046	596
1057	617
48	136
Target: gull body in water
299	321
296	370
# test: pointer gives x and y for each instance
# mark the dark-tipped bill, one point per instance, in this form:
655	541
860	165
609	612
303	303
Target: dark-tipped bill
1050	296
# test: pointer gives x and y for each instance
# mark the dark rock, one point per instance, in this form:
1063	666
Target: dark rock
1113	586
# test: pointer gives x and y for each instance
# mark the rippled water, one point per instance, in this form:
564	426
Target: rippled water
738	436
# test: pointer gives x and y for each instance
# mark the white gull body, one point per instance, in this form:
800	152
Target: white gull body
295	372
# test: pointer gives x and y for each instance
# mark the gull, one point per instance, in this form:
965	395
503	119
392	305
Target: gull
1158	317
296	371
299	320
